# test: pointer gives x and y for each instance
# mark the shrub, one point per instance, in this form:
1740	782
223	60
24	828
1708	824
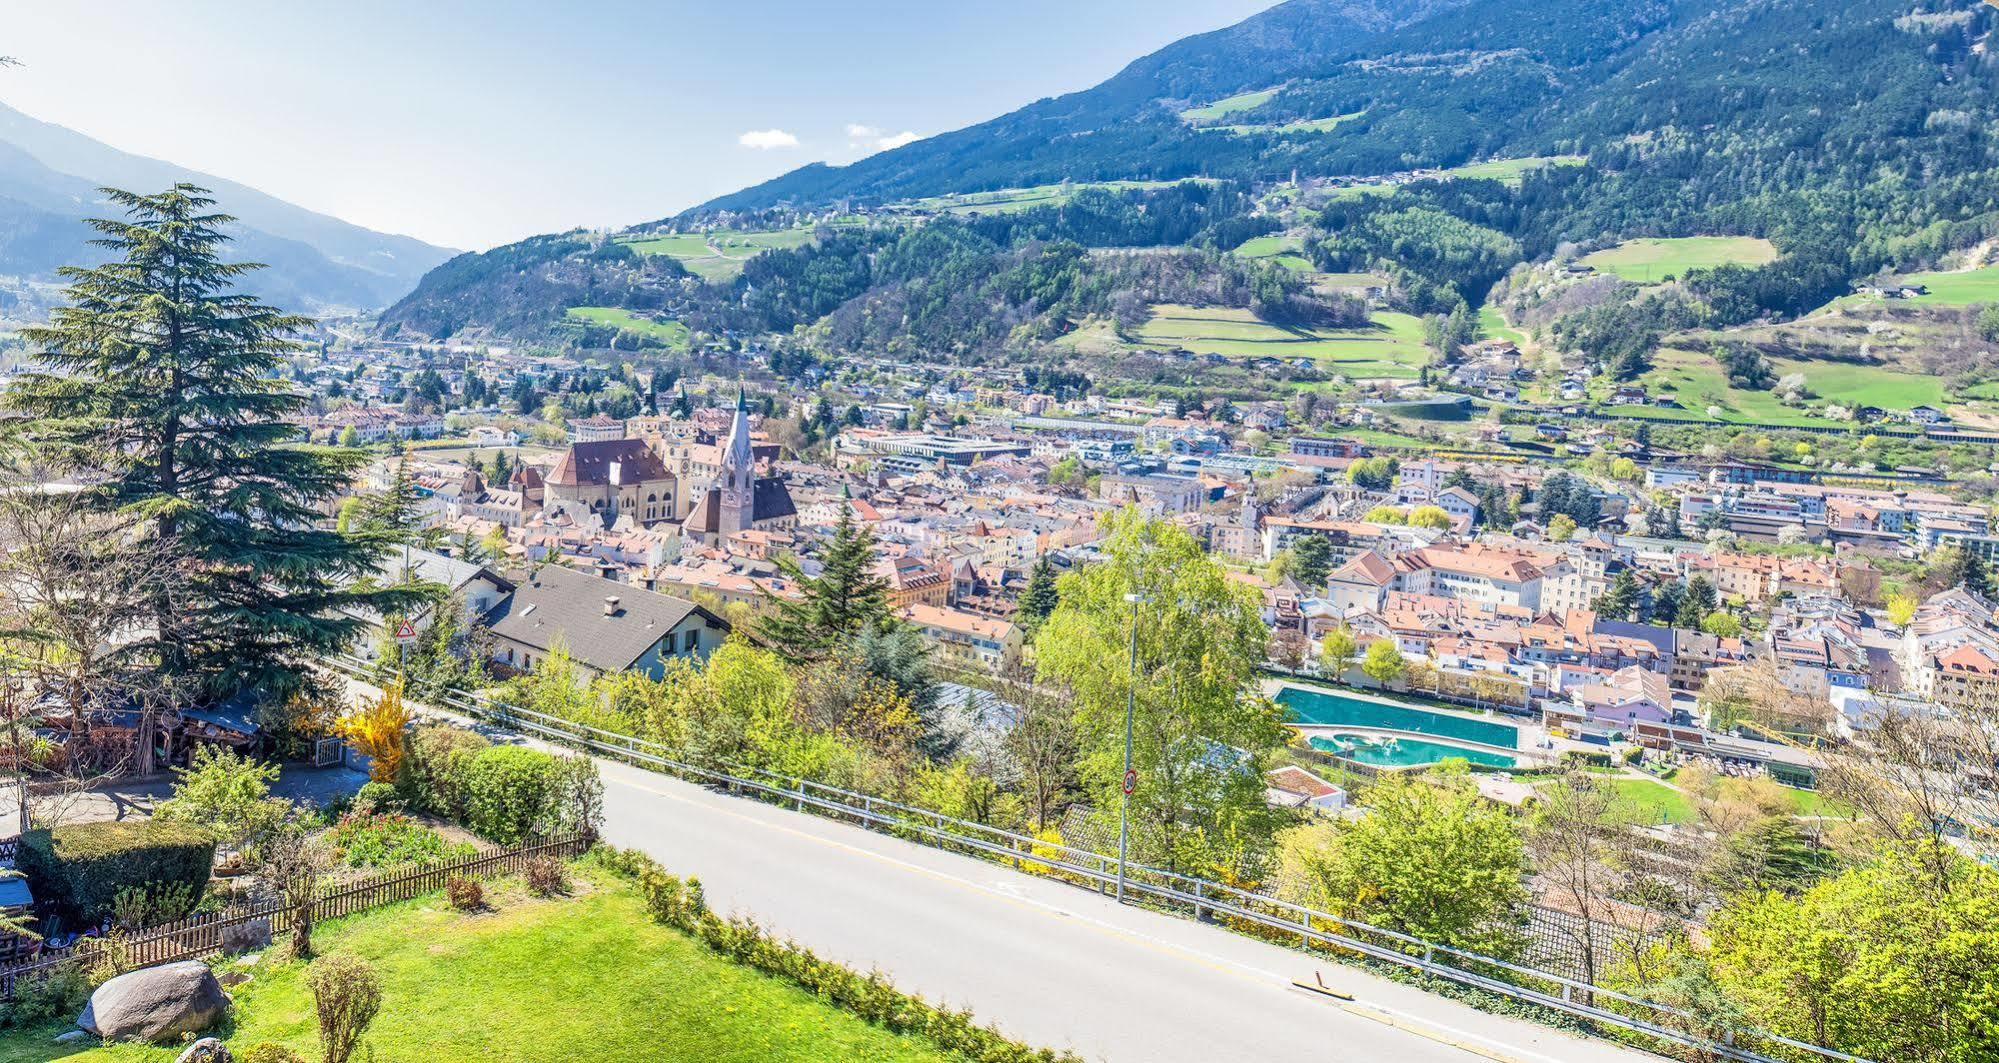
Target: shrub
512	792
226	793
377	797
434	770
268	1052
464	893
79	870
345	997
546	876
383	839
59	994
137	907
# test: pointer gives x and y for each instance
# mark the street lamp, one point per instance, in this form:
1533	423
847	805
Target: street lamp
1130	781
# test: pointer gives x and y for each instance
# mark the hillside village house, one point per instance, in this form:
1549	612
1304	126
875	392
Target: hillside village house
603	625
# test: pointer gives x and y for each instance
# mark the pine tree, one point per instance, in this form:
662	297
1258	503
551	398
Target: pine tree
394	513
161	391
1621	599
1039	598
844	598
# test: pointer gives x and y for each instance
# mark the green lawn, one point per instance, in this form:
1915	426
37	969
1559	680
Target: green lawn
1392	348
671	333
719	256
1241	101
1648	261
585	977
1653	802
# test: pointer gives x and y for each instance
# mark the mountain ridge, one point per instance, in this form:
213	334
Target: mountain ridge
49	181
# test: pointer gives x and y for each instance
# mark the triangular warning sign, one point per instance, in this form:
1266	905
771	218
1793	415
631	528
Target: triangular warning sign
405	630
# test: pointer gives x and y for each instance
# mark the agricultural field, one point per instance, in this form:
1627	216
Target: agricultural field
1650	261
1242	101
1303	125
1508	171
717	257
1699	382
671	333
1493	324
1279	248
1956	288
1391	349
1006	200
526	979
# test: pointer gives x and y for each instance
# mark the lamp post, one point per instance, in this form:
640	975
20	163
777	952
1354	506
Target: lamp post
1129	781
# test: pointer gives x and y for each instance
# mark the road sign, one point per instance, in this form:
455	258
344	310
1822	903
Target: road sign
1130	782
405	633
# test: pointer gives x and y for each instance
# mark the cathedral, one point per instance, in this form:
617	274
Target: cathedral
738	499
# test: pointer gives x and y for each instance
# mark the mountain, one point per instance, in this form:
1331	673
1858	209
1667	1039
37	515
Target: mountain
49	177
1847	137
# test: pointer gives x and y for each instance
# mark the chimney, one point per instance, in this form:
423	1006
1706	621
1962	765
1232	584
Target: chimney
610	605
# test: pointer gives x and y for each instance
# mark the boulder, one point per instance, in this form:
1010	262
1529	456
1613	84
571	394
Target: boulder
156	1003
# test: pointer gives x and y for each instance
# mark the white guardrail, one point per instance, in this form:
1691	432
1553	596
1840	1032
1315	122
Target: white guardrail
1085	868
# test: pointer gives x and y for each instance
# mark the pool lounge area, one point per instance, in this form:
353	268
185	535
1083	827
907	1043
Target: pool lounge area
1383	734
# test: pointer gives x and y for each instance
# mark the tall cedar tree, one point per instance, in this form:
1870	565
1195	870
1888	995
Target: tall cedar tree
845	597
160	389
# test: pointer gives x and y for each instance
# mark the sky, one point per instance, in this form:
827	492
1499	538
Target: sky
472	124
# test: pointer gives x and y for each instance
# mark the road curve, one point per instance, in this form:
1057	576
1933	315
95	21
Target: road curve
1050	963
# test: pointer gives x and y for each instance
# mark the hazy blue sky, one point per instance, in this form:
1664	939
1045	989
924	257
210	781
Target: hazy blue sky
471	124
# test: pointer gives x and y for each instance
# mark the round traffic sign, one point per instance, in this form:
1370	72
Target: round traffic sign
1130	782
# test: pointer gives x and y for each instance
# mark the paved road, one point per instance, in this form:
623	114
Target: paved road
1050	963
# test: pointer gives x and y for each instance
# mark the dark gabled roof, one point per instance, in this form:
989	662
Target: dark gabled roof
555	603
589	464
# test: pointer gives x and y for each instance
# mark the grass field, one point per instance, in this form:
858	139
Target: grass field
1286	251
584	977
1222	108
1494	325
1648	261
719	256
1960	288
1698	381
671	333
1653	802
1503	170
1303	125
1002	200
1393	348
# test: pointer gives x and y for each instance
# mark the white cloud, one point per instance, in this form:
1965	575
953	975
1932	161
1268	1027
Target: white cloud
872	138
766	139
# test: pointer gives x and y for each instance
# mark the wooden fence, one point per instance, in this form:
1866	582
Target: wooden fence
204	933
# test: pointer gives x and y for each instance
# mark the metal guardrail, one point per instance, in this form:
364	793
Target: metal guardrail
1087	867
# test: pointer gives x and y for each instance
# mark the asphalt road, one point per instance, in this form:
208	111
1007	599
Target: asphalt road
1050	963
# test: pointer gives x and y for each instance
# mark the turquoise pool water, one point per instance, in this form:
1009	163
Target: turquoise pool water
1338	710
1390	751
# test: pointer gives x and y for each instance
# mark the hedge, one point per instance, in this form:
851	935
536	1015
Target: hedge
78	870
503	793
680	903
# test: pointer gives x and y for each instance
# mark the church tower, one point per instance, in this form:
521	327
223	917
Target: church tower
737	482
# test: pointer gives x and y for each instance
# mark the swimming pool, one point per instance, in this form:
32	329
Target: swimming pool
1395	751
1325	709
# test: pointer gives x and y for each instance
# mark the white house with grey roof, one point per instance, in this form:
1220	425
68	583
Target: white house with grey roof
605	626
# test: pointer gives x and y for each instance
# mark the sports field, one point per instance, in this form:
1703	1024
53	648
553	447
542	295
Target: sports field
671	333
719	256
1649	261
1392	348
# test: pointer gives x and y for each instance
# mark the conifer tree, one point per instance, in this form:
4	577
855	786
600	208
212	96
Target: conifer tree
844	598
158	385
1040	597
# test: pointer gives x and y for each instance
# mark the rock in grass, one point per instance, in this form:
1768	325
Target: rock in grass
156	1004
